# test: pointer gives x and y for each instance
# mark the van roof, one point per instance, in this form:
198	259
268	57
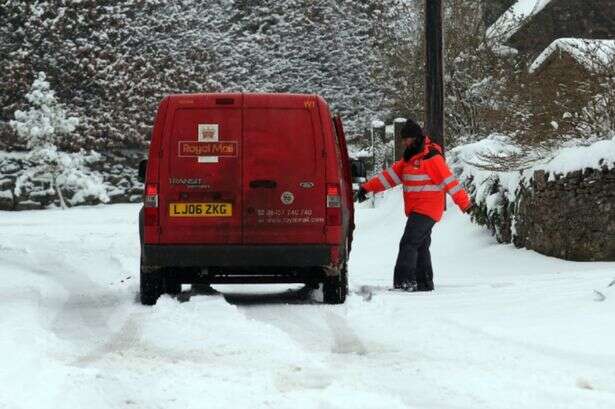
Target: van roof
249	99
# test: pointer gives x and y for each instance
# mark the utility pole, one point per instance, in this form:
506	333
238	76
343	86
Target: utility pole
434	72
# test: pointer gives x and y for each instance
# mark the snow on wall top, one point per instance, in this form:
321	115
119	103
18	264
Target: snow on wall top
572	158
567	159
594	55
514	18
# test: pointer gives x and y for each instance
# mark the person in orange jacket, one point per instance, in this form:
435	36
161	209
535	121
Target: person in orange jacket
426	178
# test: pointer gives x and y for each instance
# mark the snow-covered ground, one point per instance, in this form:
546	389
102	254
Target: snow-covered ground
506	328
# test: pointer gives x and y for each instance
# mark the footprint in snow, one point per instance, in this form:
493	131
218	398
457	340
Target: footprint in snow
599	297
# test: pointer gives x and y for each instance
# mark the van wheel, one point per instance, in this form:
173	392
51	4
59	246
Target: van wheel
335	288
172	285
151	284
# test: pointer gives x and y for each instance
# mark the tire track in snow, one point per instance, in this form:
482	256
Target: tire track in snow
585	359
82	318
119	342
317	329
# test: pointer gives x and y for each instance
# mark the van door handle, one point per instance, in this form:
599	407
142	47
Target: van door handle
263	184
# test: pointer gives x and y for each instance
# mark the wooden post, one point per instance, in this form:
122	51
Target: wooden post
399	148
434	72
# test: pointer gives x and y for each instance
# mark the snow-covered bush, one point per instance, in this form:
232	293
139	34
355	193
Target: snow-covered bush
597	119
65	173
482	168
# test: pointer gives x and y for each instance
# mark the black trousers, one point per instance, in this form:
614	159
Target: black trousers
414	260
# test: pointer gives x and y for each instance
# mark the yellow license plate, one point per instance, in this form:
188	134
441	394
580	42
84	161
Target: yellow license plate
201	210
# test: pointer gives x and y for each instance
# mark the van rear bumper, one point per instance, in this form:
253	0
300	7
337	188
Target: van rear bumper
236	255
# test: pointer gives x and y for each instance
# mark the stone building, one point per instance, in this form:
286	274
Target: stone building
557	39
537	23
567	75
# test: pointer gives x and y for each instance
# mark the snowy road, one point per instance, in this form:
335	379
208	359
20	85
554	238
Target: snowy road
506	328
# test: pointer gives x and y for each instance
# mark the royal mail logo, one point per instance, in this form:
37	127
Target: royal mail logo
194	149
208	133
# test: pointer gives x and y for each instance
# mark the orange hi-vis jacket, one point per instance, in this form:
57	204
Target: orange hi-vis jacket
425	178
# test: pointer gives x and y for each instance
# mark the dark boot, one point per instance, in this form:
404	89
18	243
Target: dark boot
409	286
425	287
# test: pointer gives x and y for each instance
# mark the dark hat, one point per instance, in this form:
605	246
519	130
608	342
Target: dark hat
411	130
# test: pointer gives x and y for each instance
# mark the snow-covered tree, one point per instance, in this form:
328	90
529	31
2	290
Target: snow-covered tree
400	69
482	87
113	61
40	128
45	122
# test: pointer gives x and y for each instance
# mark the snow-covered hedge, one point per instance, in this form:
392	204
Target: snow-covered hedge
112	62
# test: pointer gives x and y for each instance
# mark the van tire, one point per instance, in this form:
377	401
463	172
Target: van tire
335	288
172	285
151	284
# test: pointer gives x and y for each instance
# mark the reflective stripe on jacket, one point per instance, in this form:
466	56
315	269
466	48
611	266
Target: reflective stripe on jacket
425	178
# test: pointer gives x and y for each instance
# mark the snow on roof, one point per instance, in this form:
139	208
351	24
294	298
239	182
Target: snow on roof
594	55
514	18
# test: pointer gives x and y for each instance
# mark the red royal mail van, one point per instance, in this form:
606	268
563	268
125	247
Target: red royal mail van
246	188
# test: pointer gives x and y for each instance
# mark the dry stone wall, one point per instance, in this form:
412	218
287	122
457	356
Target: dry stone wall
570	217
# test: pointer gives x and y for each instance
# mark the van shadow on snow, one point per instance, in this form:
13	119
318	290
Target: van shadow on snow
303	295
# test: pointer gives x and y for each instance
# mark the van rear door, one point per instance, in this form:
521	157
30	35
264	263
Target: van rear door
200	175
284	172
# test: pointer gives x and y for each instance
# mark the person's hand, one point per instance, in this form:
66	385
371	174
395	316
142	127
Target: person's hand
362	194
469	209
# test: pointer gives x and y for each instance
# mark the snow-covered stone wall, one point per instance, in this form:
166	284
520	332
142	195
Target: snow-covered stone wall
562	207
111	178
570	217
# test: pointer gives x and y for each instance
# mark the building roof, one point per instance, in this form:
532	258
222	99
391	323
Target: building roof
593	55
514	18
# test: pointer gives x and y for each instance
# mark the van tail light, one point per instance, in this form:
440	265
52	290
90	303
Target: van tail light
150	204
334	205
